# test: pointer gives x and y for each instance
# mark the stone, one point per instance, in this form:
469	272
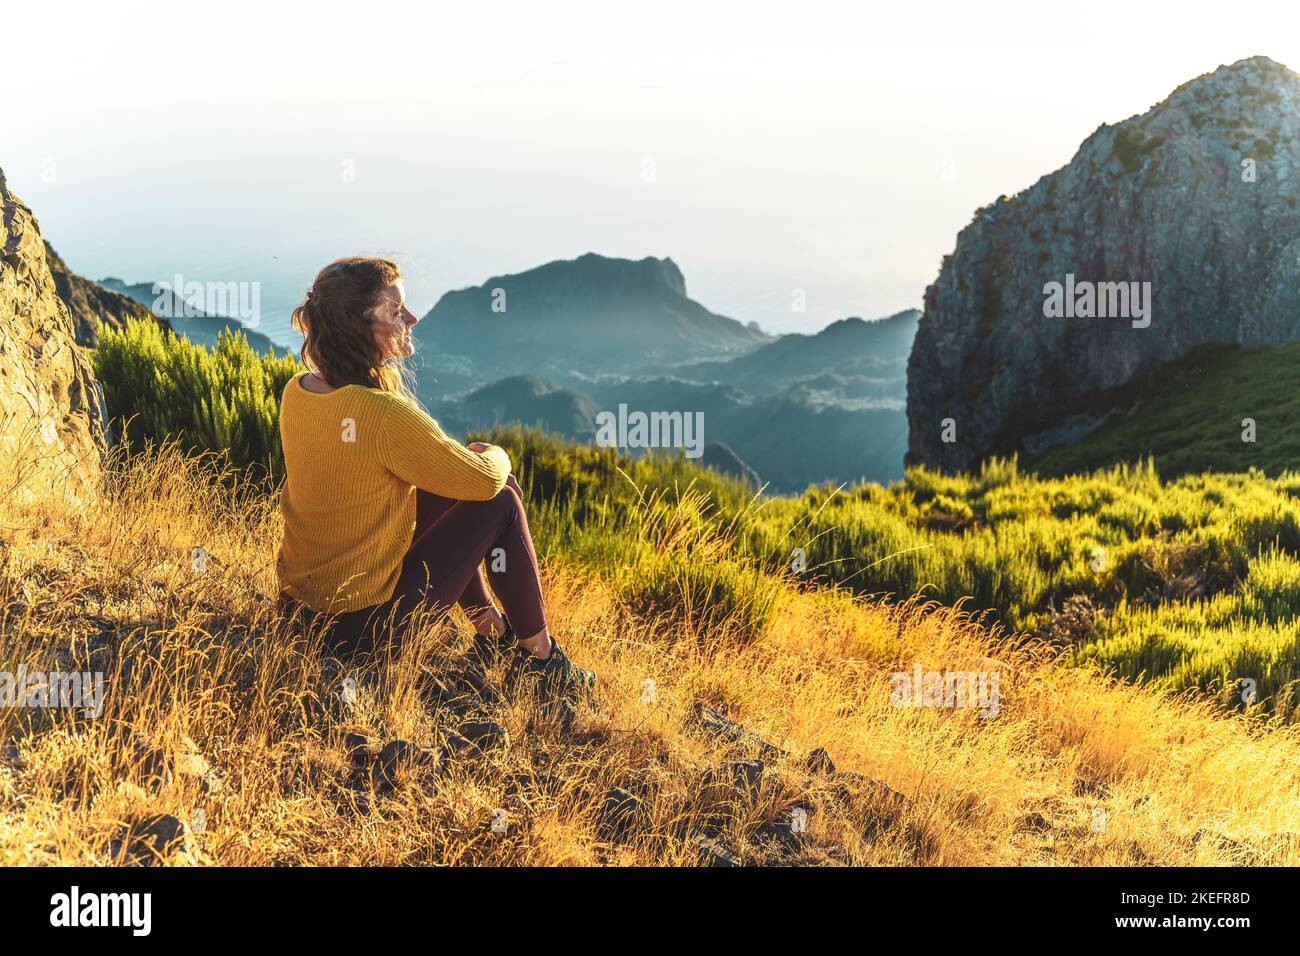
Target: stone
713	853
192	764
818	760
737	778
479	690
397	758
484	734
619	811
360	748
140	756
455	743
455	696
149	840
885	804
559	712
1217	840
708	722
745	773
1036	822
783	830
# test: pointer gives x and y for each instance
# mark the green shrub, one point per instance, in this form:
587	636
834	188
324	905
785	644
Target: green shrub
159	387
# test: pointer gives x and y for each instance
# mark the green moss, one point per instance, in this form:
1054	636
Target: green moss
1131	144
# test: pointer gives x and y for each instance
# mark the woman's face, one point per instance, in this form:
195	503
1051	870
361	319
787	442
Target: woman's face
393	323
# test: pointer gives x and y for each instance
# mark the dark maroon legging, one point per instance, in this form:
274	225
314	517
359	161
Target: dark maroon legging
442	567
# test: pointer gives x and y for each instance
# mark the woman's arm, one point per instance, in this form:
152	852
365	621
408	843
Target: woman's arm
416	449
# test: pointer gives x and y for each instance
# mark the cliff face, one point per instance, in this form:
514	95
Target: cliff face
1200	197
91	305
49	412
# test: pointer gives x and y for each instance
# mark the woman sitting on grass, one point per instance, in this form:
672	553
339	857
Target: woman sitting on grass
383	512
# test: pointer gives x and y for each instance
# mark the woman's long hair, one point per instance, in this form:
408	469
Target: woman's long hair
338	328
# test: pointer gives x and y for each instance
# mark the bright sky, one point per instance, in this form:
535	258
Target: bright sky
833	147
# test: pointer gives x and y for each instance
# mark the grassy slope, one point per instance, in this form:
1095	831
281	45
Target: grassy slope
1186	583
1189	584
110	584
1188	416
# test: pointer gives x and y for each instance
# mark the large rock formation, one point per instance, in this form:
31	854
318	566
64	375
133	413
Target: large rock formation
49	410
1200	197
92	306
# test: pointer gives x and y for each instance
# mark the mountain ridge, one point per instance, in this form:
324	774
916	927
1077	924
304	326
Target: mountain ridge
92	306
198	327
873	343
624	315
787	427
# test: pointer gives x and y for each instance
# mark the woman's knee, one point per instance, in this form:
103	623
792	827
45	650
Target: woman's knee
508	503
512	494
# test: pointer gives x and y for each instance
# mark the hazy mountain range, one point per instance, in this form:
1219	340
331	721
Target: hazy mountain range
1185	216
556	345
579	337
197	325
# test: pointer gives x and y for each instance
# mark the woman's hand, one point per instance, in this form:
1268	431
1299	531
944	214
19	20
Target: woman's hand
490	622
479	448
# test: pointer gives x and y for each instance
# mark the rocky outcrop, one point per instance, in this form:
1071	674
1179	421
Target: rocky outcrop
50	424
1199	197
92	306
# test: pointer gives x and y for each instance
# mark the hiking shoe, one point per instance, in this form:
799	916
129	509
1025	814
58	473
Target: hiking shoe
554	677
488	649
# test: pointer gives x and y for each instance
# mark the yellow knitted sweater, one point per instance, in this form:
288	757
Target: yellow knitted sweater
353	459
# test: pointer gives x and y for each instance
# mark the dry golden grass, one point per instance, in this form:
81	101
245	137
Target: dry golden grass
231	714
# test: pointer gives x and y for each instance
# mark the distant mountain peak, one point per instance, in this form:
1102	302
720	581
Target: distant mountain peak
620	316
594	267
